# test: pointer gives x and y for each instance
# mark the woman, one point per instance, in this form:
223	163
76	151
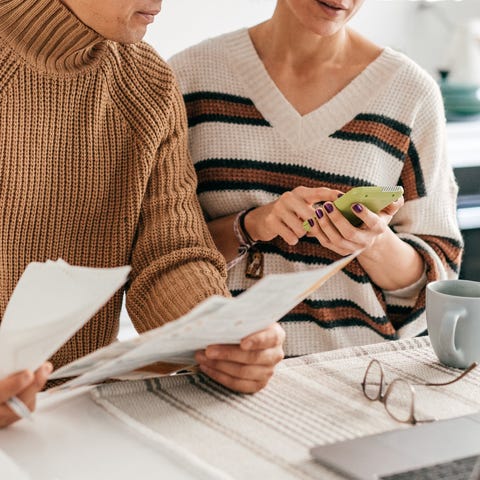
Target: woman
293	112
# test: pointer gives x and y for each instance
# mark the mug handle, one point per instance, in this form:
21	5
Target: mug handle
448	328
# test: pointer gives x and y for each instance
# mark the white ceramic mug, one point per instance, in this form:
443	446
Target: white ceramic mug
453	321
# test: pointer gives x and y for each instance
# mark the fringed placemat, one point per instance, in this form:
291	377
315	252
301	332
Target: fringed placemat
311	400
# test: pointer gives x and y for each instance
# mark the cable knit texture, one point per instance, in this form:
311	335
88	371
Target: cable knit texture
387	127
95	169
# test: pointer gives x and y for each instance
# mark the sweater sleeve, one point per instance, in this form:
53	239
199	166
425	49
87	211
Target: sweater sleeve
175	264
428	220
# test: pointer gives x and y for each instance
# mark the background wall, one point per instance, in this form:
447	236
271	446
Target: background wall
185	22
422	30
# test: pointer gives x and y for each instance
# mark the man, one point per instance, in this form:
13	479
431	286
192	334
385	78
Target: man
95	170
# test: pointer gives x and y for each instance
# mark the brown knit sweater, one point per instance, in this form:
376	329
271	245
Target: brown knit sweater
95	169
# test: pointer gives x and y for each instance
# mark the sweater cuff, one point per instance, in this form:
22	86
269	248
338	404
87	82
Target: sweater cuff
173	294
411	291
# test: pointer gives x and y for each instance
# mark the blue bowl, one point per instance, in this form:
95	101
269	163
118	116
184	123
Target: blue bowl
459	110
461	99
448	88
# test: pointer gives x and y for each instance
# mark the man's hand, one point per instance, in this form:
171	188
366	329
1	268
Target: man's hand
247	367
24	385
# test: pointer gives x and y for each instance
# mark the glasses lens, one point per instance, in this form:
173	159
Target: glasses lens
372	385
399	400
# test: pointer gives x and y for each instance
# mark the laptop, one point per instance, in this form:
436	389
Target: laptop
445	449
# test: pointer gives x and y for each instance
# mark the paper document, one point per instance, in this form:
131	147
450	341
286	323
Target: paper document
10	470
217	320
51	301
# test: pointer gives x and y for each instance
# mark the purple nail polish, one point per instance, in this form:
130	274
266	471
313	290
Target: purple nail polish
319	213
358	208
328	207
311	222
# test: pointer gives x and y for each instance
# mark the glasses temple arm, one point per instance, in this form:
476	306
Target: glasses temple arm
466	372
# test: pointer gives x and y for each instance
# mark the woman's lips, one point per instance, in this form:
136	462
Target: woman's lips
331	6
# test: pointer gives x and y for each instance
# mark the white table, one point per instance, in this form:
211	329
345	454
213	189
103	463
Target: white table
77	439
191	428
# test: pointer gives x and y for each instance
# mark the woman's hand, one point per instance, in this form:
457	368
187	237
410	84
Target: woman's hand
336	233
24	385
285	216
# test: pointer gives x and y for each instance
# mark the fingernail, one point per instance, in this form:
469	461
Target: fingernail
319	213
27	377
328	207
340	195
48	369
311	222
358	208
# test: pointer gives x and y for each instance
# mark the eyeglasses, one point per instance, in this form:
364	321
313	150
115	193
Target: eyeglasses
398	397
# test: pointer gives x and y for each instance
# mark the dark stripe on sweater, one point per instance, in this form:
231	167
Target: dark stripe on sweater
448	249
310	252
387	121
373	140
339	323
394	138
337	313
400	316
205	95
331	313
386	133
217	107
204	118
412	178
242	174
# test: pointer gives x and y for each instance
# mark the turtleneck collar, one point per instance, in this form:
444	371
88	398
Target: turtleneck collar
49	36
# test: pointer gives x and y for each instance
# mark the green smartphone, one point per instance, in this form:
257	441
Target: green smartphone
374	198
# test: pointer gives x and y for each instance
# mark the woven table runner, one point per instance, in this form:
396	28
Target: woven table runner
311	400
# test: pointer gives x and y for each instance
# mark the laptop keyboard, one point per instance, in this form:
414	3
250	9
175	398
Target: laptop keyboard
464	469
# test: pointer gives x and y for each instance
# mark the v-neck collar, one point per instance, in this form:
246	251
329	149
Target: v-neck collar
304	131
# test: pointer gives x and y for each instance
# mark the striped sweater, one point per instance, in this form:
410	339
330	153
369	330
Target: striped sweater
386	127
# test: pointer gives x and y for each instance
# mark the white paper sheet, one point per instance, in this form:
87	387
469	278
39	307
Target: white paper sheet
217	320
9	469
51	301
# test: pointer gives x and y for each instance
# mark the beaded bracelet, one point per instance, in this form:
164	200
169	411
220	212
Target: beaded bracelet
241	224
244	239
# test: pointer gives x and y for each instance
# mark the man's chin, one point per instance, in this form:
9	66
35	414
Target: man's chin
128	38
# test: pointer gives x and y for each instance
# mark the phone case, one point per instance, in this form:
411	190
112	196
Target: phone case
374	198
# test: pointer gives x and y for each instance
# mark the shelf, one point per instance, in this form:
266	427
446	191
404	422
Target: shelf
463	143
468	218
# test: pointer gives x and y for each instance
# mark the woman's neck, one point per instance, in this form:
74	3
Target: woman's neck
283	39
309	69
